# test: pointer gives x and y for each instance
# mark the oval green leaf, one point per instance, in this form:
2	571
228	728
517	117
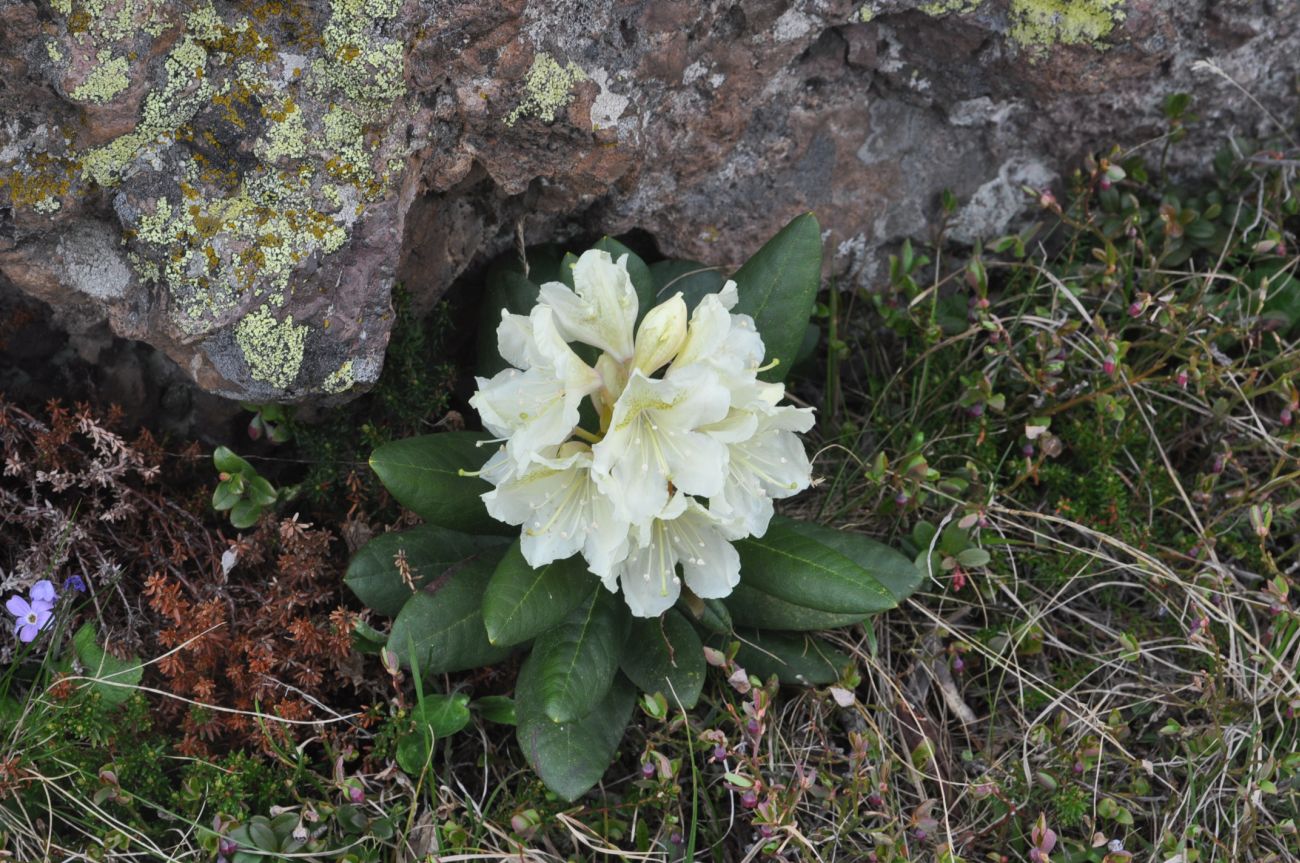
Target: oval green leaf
692	278
794	658
114	679
444	629
570	757
522	602
665	655
805	565
750	606
422	473
576	660
430	552
778	287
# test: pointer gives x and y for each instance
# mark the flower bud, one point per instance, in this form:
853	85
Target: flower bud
661	335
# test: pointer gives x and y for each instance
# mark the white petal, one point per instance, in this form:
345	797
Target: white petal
531	408
648	576
602	308
652	440
710	564
515	340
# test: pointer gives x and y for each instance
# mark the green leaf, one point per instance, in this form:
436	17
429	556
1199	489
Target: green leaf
496	708
793	658
114	679
522	602
506	287
750	606
245	514
444	715
445	628
227	462
826	570
636	270
430	552
366	639
693	279
576	660
778	286
224	497
886	565
435	717
711	614
261	492
263	837
570	757
422	473
665	655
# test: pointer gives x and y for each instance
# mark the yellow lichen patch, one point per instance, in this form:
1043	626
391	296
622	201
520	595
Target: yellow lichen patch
1039	24
41	185
273	349
547	89
104	81
340	379
948	7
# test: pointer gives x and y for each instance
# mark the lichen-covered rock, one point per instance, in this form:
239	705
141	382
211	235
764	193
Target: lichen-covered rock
240	183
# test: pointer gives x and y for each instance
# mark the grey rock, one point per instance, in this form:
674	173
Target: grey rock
240	185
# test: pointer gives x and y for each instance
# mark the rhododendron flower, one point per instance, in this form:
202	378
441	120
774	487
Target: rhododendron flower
684	452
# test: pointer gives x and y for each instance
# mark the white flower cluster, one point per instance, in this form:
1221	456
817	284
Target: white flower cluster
688	447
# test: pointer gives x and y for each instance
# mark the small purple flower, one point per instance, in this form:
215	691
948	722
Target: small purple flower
31	615
75	582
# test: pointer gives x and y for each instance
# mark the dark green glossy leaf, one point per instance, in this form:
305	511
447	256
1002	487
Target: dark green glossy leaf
750	606
665	655
887	566
570	757
496	708
576	660
522	602
806	565
444	629
636	270
422	473
692	278
261	492
794	658
506	288
430	552
778	286
435	717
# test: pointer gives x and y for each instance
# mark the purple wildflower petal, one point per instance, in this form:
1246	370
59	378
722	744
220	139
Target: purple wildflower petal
43	617
43	591
18	606
75	582
27	632
41	605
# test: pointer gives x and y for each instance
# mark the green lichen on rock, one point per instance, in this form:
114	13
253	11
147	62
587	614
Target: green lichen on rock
104	81
547	89
1039	24
272	349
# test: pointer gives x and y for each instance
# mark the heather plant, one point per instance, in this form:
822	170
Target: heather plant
642	441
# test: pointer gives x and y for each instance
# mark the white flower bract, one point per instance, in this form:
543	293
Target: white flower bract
683	450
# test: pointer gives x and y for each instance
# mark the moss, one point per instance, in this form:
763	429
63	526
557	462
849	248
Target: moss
273	349
547	89
1039	24
105	81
